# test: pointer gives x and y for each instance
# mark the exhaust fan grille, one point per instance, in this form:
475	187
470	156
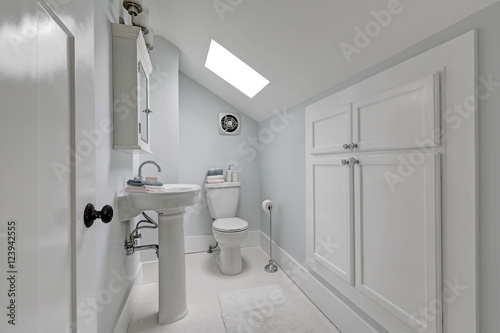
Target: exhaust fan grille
229	124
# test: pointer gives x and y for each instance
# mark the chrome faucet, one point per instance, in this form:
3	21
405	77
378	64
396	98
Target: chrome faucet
140	176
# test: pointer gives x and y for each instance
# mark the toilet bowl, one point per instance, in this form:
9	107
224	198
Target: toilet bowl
230	233
228	230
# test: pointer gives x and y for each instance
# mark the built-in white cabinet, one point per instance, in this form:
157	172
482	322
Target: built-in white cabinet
398	238
399	118
373	200
131	70
332	209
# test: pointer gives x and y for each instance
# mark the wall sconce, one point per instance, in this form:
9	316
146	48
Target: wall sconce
140	18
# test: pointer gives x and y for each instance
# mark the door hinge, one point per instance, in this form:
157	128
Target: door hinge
139	67
139	127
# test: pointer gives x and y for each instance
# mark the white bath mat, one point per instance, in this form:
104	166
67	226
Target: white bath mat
266	309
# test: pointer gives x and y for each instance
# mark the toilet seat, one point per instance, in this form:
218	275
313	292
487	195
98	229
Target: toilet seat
231	224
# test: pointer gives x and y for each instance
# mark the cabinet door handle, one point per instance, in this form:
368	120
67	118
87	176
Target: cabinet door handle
353	145
346	146
353	161
147	111
345	162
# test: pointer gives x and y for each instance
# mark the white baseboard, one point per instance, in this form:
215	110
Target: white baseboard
337	311
194	244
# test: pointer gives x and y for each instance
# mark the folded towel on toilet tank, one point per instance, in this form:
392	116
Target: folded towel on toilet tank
215	172
215	177
214	181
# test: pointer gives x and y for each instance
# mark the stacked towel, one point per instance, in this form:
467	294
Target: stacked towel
139	183
145	189
215	172
214	176
215	179
141	186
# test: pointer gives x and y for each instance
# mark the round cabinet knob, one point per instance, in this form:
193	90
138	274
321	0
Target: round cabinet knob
353	146
346	146
353	161
90	214
345	162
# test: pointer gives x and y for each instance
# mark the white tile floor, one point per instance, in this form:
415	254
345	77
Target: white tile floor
205	283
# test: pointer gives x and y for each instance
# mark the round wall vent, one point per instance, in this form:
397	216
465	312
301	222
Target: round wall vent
229	124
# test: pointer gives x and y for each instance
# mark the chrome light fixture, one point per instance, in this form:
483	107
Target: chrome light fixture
133	7
140	18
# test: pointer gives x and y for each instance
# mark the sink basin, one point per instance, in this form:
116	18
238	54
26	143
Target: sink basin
176	198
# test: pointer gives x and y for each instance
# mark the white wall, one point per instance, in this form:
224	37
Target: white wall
203	148
282	161
164	101
113	169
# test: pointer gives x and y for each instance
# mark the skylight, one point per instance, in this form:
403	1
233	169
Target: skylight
234	71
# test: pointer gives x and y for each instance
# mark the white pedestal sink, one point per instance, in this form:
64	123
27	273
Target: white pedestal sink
170	207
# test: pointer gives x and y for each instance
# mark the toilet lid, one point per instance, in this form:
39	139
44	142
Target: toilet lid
231	224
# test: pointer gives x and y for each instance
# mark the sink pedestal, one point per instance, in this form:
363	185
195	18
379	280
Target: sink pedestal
170	204
171	268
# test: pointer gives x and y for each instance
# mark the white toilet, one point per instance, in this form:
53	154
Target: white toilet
229	231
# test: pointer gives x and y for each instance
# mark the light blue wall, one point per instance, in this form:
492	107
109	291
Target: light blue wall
202	148
283	161
113	168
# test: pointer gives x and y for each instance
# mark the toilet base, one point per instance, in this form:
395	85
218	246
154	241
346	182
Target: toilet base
229	260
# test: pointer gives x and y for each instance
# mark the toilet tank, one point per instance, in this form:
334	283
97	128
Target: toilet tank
223	199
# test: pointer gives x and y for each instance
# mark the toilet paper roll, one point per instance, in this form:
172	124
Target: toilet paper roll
267	205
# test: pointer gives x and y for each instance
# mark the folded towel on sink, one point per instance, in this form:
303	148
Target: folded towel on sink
139	183
145	189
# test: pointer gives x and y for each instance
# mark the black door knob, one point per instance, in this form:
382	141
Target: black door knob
90	214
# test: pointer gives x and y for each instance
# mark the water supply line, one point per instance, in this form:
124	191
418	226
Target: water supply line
131	243
268	206
211	248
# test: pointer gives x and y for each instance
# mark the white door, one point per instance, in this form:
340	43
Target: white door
47	170
330	129
332	226
398	235
402	117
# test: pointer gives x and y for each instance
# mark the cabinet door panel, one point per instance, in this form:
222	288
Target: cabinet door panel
330	130
332	243
398	235
404	117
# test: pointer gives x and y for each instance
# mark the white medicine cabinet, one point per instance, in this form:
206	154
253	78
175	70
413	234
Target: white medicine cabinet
131	70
